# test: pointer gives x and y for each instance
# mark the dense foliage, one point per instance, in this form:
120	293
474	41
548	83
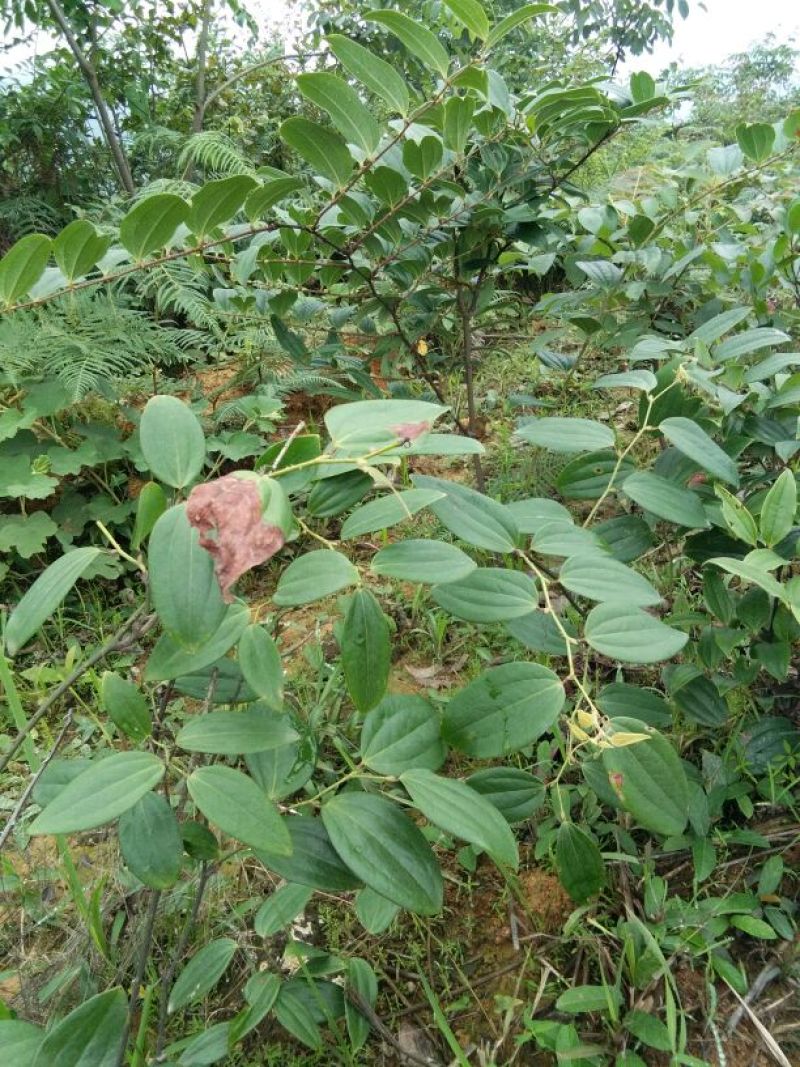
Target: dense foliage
424	214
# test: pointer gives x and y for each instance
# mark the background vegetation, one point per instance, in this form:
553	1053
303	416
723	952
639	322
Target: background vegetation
398	465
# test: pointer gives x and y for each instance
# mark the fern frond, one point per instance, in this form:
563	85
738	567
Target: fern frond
86	341
214	152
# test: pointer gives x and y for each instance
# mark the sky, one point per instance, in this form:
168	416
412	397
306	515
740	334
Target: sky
705	38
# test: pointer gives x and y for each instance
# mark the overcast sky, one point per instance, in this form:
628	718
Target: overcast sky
704	39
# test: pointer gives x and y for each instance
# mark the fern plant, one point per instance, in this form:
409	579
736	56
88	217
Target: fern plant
215	153
85	341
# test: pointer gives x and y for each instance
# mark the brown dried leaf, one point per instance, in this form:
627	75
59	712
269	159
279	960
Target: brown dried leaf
227	515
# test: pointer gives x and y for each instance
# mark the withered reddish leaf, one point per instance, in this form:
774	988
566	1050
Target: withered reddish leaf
410	431
227	515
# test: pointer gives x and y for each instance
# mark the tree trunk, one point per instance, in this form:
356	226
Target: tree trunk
465	305
202	62
103	112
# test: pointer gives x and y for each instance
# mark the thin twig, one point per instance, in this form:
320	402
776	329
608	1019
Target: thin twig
763	979
113	645
141	966
377	1024
298	429
23	800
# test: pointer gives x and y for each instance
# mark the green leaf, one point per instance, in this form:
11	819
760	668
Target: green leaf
369	424
151	223
201	973
45	595
756	140
471	15
233	733
322	149
126	706
235	804
100	794
387	511
381	845
344	106
423	561
516	18
26	534
648	779
313	860
635	702
648	1029
533	513
488	594
700	701
751	574
314	576
471	516
375	913
539	632
150	842
644	380
515	793
742	344
579	863
627	536
625	633
20	1041
217	202
694	442
260	660
736	517
459	810
401	733
22	266
183	585
599	578
90	1036
642	86
587	477
172	440
419	40
666	500
375	73
267	195
366	650
332	496
589	998
78	248
150	506
566	435
503	710
778	509
281	908
717	326
458	112
170	659
361	978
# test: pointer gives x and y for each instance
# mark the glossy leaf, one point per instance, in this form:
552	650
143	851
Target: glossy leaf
201	973
90	1036
234	803
625	633
150	841
580	865
233	733
417	38
387	511
471	516
566	435
314	576
313	860
151	223
459	810
260	660
375	73
503	710
515	793
22	266
78	248
648	778
426	561
281	908
516	18
599	578
126	706
488	594
666	500
691	439
217	202
322	149
366	650
778	510
100	794
172	440
348	114
384	848
401	733
46	595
